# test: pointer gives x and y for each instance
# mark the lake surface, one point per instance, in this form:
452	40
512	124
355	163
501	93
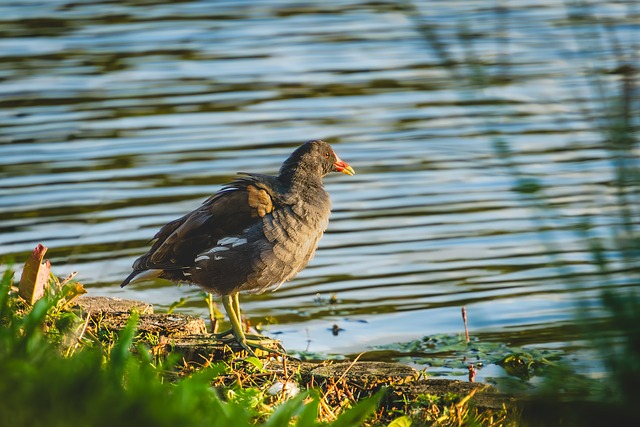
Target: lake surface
117	117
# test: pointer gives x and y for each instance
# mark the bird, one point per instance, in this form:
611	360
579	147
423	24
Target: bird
254	234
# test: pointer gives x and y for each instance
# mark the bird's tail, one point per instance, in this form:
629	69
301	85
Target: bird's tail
137	275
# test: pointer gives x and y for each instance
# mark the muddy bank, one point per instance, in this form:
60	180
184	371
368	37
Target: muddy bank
407	390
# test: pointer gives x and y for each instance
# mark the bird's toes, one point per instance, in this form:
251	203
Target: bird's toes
223	334
265	345
269	345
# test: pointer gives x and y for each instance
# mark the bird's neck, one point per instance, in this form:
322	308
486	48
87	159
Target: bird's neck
300	181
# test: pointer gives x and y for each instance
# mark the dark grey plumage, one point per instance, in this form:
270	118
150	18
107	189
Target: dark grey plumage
254	234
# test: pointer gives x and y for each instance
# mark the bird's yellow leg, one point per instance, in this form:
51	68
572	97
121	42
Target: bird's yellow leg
236	305
229	301
236	309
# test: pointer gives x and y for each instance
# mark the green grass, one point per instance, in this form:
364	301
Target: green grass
43	383
59	369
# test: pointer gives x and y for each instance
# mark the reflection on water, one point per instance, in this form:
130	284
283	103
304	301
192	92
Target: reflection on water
118	117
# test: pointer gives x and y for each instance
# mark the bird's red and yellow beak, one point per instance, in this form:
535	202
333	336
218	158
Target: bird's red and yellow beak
342	166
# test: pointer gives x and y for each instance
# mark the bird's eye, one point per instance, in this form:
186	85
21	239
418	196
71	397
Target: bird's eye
326	154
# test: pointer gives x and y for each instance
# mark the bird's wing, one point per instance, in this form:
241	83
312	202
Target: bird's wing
227	213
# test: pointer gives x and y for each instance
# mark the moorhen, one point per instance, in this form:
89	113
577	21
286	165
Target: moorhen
253	235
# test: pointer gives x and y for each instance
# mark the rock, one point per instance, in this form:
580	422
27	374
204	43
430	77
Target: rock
485	396
112	305
199	347
164	325
357	380
365	372
113	313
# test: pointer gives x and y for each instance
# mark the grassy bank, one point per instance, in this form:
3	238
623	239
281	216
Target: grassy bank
59	368
56	372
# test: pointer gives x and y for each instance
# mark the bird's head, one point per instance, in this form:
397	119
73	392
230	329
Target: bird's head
317	158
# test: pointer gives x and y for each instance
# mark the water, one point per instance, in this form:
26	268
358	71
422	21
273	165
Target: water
116	118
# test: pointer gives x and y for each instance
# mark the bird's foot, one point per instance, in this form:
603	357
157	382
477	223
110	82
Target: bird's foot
256	342
222	336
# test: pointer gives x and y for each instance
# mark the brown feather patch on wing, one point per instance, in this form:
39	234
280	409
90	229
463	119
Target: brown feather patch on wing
259	200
